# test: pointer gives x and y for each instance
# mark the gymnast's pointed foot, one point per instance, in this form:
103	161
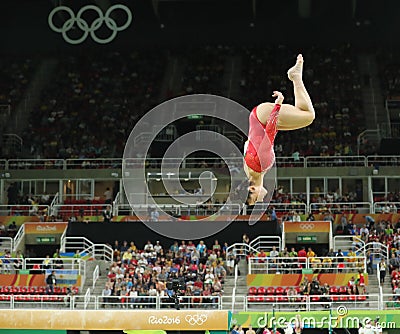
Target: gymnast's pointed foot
296	72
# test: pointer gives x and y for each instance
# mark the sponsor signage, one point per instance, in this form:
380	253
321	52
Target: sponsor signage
193	320
307	238
45	228
45	240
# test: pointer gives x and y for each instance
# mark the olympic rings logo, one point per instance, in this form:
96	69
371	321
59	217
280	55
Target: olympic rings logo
95	25
196	319
305	226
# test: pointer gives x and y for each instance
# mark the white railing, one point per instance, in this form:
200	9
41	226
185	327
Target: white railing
342	207
386	207
39	164
116	163
266	243
300	208
96	274
55	201
239	250
78	210
87	298
181	209
107	163
390	301
377	249
58	264
297	303
336	161
234	289
294	265
19	237
6	244
346	242
250	302
85	247
115	204
23	210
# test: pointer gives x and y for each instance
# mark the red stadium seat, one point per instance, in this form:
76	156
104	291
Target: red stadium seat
279	291
270	290
362	298
252	290
261	291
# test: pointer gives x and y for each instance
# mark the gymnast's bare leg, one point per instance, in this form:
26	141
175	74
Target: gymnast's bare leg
290	117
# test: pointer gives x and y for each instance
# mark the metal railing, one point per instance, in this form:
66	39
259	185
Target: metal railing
295	265
87	248
300	208
180	209
346	242
336	161
23	210
266	243
19	237
294	303
251	303
342	207
386	207
117	163
6	244
78	209
240	250
13	265
96	275
390	301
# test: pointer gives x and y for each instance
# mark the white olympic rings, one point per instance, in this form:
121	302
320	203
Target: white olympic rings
84	26
307	226
196	319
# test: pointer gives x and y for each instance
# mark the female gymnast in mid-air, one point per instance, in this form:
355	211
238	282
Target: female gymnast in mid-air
264	122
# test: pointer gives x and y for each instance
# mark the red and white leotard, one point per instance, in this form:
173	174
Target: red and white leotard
259	152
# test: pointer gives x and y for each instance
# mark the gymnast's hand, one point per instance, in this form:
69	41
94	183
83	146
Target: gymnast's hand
279	97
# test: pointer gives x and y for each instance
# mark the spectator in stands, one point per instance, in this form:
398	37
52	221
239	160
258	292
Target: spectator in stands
315	287
370	262
51	282
202	248
273	253
340	260
106	294
369	222
47	263
310	253
382	270
302	255
12	229
394	263
220	271
250	330
18	261
108	196
158	248
107	214
230	261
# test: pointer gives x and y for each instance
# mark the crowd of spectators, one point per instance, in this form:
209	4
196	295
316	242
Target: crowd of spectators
139	274
93	102
334	83
204	69
15	75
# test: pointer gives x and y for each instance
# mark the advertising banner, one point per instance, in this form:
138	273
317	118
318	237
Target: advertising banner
296	279
45	228
339	317
193	320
